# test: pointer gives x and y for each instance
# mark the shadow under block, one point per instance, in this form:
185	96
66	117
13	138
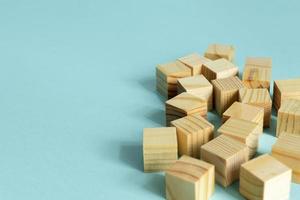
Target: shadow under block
265	178
257	72
258	97
159	148
217	51
226	92
194	61
288	119
243	131
197	85
287	151
167	75
226	154
183	105
285	89
192	132
217	69
246	112
190	179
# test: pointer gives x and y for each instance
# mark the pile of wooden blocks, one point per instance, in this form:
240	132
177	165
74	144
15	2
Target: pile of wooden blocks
194	155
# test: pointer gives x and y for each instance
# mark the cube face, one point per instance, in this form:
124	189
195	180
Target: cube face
194	61
217	51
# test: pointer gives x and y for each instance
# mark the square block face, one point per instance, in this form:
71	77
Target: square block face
194	61
217	51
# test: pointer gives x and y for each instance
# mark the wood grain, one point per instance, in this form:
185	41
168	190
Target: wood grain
217	51
194	61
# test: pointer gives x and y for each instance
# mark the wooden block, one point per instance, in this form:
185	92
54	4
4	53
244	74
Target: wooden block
258	97
227	155
159	148
265	178
243	131
167	75
183	105
246	112
257	72
285	89
226	92
287	151
197	85
190	179
194	61
192	132
217	51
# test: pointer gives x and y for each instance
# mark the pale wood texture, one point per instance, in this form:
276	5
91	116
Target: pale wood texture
184	104
226	92
257	72
159	148
265	178
190	179
167	75
192	132
285	89
243	131
197	85
258	97
287	151
216	51
227	155
194	61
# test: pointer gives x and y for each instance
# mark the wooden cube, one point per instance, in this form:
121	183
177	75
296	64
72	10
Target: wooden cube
265	178
217	51
192	132
287	151
243	131
285	89
227	155
183	105
159	148
257	72
197	85
226	92
194	61
190	179
258	97
167	75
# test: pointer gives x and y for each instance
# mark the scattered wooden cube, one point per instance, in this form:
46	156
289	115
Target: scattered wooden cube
226	92
192	132
197	85
258	97
184	104
227	155
257	72
265	178
216	51
285	89
194	61
190	179
167	75
159	148
287	151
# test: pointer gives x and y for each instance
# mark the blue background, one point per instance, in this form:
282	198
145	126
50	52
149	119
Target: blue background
77	85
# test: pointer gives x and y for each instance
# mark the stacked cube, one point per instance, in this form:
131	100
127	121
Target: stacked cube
195	62
217	51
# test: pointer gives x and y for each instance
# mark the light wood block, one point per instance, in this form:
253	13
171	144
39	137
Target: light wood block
197	85
192	132
257	72
217	51
287	151
190	179
265	178
159	148
194	61
227	155
183	105
226	92
285	89
258	97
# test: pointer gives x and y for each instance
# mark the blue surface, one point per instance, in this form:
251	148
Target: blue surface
77	84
